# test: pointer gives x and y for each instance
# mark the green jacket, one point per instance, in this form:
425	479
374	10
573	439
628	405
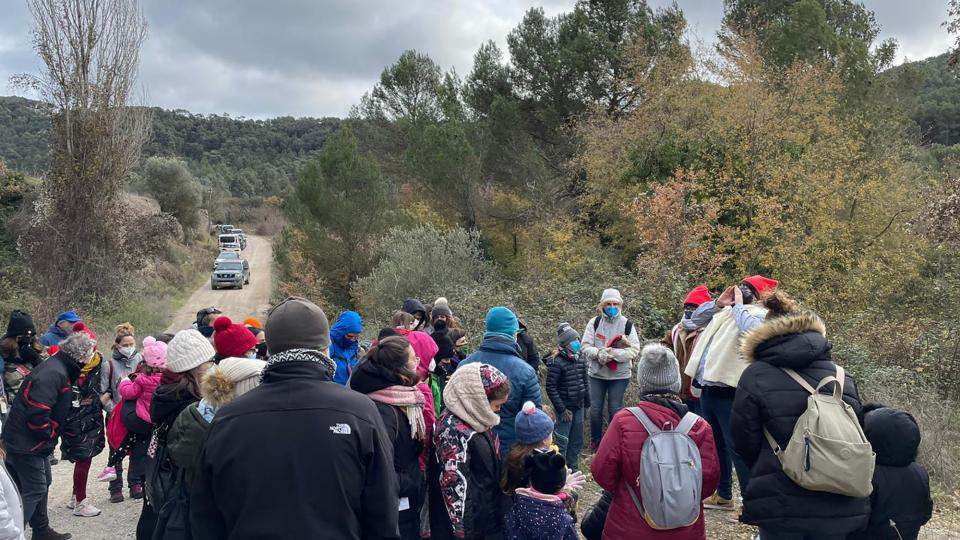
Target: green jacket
184	440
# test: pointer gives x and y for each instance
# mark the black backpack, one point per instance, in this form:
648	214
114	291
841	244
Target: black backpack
161	480
626	329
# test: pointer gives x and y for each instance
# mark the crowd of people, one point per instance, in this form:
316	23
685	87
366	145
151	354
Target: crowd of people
292	428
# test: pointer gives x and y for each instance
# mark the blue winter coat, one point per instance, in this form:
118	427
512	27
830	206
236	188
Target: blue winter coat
342	350
504	354
53	336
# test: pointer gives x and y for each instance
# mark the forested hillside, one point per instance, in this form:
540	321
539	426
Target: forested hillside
241	156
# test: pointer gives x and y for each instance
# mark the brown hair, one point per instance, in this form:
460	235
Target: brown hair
123	330
402	319
514	473
392	353
500	392
455	333
779	303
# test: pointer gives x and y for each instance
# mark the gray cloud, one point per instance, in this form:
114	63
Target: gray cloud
317	58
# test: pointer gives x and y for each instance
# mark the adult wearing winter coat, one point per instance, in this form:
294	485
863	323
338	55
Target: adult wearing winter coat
83	430
567	388
617	462
326	445
419	312
608	367
464	472
60	329
528	349
33	426
715	365
768	398
189	356
388	376
900	503
223	383
21	351
682	338
344	344
500	350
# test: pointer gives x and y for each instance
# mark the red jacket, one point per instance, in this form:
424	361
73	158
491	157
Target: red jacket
618	461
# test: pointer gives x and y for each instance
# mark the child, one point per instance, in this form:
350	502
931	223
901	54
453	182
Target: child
567	389
538	512
900	504
140	386
534	429
465	466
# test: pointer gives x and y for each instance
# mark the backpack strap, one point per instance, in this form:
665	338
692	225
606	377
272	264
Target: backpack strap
773	445
596	323
636	500
687	423
628	328
644	420
803	382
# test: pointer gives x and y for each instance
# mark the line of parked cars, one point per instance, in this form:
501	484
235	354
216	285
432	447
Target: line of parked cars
230	269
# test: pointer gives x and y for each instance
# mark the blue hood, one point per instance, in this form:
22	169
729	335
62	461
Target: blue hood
349	322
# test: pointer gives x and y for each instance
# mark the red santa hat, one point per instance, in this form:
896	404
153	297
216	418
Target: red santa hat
762	284
697	296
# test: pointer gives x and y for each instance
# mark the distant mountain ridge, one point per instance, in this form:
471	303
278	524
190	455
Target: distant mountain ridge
245	157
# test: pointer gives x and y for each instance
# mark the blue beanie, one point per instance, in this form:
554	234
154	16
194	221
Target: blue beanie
532	425
502	322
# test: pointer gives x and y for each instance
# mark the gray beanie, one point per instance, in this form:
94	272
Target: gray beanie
566	335
441	309
658	370
297	323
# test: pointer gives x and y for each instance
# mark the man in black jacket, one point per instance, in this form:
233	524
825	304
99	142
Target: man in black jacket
298	456
528	349
31	431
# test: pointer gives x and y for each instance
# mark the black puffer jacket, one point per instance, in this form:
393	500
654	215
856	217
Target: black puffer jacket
83	430
368	378
901	487
41	407
567	383
768	397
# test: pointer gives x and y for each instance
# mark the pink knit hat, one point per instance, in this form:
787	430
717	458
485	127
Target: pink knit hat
154	353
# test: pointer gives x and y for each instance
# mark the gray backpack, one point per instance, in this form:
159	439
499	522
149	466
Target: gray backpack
671	474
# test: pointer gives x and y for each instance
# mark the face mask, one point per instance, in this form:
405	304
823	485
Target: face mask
433	365
575	347
262	351
127	351
251	354
611	311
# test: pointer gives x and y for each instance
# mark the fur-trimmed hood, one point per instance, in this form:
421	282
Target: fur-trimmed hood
792	341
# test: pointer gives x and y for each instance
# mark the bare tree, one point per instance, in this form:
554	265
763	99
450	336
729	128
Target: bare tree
77	240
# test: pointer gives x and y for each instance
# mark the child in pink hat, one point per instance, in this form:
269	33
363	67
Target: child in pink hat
140	386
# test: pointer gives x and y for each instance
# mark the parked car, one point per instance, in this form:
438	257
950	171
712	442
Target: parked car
234	274
225	256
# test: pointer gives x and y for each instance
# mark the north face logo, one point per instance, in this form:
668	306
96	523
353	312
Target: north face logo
341	429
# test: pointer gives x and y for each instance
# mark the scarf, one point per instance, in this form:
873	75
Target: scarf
465	397
534	494
411	400
88	367
300	355
206	410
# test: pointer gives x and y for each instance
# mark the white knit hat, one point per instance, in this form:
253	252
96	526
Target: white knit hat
611	295
187	350
230	379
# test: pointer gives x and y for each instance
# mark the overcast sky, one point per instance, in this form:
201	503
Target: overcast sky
317	57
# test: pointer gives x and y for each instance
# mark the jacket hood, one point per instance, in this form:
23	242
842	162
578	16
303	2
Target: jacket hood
894	435
369	377
500	345
167	403
414	306
676	406
349	322
426	349
792	341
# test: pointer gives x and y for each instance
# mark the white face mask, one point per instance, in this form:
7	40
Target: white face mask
251	354
127	351
433	365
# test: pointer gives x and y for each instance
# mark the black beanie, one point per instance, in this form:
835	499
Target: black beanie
21	324
547	472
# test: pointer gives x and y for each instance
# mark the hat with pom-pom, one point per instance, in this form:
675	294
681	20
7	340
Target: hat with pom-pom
230	339
154	353
547	471
80	327
532	425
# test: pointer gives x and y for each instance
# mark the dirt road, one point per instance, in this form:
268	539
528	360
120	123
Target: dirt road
251	301
119	521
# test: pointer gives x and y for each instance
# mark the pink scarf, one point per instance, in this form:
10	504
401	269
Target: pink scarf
534	494
411	401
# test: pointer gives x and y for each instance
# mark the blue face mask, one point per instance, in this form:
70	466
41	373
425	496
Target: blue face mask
611	311
575	347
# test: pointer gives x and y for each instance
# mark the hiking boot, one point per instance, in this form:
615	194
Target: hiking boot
716	502
73	502
86	509
116	496
109	474
136	491
50	534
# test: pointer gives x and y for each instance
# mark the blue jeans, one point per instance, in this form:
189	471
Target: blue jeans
34	477
610	390
717	405
569	437
767	534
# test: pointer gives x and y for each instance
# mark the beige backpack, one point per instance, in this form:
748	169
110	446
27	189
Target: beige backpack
828	450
